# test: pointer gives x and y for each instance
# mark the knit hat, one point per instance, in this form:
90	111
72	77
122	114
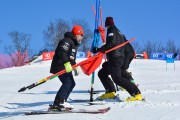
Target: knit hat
109	21
77	30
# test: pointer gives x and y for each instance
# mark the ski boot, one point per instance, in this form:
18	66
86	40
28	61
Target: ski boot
60	104
61	107
107	95
137	97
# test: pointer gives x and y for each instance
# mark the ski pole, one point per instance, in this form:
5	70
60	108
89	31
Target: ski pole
46	79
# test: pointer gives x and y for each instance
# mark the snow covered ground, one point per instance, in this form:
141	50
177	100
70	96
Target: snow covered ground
159	86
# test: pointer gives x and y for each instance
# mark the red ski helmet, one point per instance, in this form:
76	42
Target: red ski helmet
77	30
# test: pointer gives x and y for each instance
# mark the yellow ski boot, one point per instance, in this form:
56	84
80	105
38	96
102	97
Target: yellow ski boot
137	97
107	95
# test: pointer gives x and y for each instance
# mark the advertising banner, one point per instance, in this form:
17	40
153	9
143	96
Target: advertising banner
47	56
163	56
157	56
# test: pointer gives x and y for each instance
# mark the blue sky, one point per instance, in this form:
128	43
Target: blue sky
157	20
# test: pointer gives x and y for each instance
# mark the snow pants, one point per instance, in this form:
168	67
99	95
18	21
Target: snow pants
67	86
113	68
128	58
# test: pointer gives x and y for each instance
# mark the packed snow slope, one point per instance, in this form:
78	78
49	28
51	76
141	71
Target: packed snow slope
160	87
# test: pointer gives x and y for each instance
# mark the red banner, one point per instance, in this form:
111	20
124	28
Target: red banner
47	56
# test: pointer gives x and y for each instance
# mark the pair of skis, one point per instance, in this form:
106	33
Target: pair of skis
87	111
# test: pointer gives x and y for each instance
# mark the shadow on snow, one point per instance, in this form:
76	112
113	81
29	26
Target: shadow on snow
20	106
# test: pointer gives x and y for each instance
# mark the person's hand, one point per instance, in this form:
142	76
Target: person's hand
95	50
68	67
105	65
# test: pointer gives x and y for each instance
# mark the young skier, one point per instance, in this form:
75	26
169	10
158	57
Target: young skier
114	63
64	58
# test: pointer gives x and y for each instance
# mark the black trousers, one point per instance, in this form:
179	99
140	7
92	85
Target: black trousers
113	68
128	58
66	88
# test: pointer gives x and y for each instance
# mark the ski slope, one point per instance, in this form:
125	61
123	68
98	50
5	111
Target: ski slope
159	86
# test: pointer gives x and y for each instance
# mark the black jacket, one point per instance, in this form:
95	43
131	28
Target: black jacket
113	38
128	48
65	52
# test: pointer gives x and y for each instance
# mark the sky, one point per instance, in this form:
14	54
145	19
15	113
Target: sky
156	20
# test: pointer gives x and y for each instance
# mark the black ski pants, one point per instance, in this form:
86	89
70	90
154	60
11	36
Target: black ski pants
128	58
67	86
113	68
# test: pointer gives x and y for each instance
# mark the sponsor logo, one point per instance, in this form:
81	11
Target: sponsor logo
169	56
47	55
110	34
66	46
73	50
72	57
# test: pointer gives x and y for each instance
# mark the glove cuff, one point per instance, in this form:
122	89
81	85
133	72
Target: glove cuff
67	64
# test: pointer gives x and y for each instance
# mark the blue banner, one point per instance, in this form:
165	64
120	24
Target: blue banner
157	56
163	56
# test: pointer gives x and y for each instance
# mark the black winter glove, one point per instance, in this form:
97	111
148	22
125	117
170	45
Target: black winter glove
95	50
105	65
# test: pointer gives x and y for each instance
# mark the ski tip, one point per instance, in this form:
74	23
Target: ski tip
108	108
144	99
29	113
105	110
22	89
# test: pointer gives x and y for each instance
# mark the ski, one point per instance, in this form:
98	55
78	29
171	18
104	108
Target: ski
95	102
96	91
79	100
98	101
115	99
88	111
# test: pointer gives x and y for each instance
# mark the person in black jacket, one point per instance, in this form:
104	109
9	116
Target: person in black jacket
64	58
115	60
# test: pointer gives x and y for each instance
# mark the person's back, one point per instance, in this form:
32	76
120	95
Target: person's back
128	48
113	38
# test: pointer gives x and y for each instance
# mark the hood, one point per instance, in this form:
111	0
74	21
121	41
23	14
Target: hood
71	35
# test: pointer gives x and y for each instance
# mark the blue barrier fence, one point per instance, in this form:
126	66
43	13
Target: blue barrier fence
163	56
